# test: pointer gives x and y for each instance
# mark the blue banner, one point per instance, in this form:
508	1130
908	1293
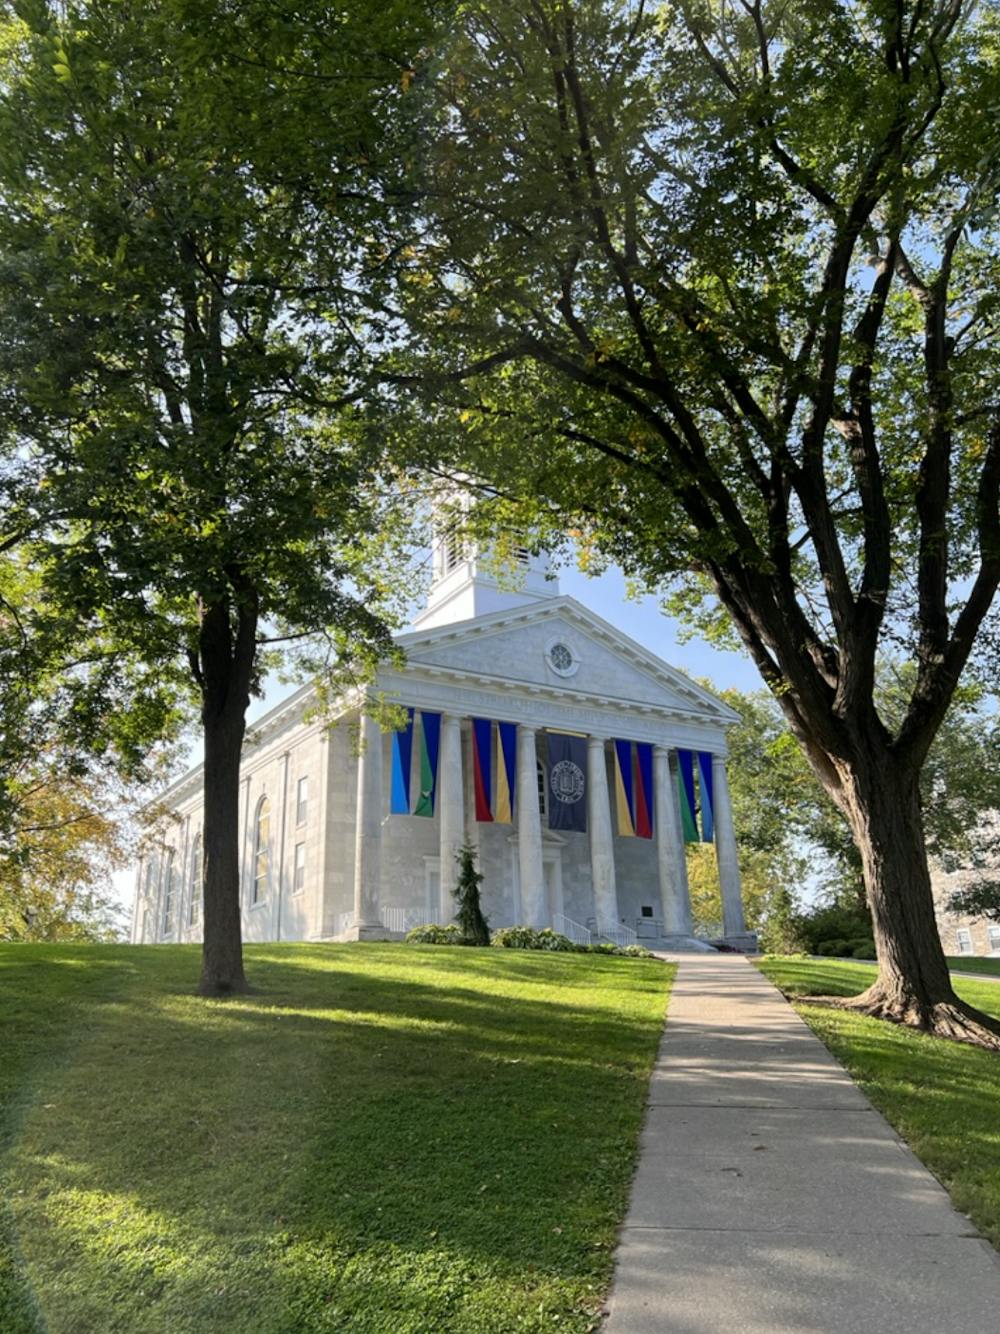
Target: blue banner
402	756
567	782
707	796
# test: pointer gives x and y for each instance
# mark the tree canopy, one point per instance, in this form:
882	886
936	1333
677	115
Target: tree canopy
728	276
196	224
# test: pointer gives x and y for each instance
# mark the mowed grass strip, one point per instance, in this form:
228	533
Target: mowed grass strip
965	963
381	1138
943	1097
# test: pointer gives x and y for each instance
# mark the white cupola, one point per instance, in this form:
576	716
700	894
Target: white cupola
468	581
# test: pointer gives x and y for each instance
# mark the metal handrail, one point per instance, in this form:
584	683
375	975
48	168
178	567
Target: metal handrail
566	926
617	932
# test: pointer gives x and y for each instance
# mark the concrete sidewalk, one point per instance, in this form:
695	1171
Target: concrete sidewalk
770	1195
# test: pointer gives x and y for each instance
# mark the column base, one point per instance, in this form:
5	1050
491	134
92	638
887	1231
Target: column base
365	931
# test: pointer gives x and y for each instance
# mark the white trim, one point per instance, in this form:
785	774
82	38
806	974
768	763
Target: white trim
494	622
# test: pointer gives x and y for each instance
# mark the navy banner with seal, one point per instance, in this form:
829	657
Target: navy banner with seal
567	782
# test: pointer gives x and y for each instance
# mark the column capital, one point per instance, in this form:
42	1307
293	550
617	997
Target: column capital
527	728
593	740
661	748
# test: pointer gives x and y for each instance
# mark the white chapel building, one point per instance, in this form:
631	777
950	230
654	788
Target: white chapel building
327	853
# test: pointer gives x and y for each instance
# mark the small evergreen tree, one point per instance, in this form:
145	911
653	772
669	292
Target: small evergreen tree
475	928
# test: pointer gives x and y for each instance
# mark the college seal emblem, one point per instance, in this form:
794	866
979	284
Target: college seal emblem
567	782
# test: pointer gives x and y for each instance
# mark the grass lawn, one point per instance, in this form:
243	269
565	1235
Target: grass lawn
383	1138
964	963
942	1097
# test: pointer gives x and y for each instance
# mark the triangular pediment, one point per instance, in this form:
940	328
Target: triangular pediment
560	645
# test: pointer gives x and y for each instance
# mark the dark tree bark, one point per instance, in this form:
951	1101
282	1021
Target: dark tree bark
881	799
223	668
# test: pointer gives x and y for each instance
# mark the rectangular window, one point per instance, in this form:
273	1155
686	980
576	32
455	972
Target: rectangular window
964	937
299	881
301	801
993	932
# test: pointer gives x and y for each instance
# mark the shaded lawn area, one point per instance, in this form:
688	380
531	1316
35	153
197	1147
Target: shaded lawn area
943	1097
965	963
384	1137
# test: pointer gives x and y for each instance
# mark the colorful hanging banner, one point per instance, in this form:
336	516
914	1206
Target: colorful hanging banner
706	792
567	782
624	789
402	756
685	784
643	789
503	808
482	766
430	741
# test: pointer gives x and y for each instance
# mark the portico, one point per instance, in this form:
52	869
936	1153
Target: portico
606	884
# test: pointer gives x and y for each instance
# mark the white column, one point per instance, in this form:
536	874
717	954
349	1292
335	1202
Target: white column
135	935
279	898
367	924
471	830
184	882
670	859
529	831
602	848
246	854
451	809
733	923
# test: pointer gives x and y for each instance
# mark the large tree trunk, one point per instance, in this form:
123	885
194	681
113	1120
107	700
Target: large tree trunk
226	655
881	799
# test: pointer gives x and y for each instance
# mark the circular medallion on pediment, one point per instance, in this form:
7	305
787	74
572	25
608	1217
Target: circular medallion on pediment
561	658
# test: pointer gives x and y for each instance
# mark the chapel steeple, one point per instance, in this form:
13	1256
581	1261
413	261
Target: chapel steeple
468	580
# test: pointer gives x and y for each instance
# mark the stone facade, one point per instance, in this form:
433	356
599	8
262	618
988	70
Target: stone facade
321	856
961	934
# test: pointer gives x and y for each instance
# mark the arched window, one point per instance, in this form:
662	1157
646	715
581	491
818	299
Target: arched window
194	882
261	852
543	791
168	893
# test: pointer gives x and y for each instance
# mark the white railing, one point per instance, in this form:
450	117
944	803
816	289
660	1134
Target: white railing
578	934
400	920
341	922
616	931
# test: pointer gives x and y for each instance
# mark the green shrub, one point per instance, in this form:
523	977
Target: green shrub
531	938
833	922
544	938
836	949
434	934
863	949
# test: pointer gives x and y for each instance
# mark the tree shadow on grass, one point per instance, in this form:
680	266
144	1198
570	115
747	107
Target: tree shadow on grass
349	1150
